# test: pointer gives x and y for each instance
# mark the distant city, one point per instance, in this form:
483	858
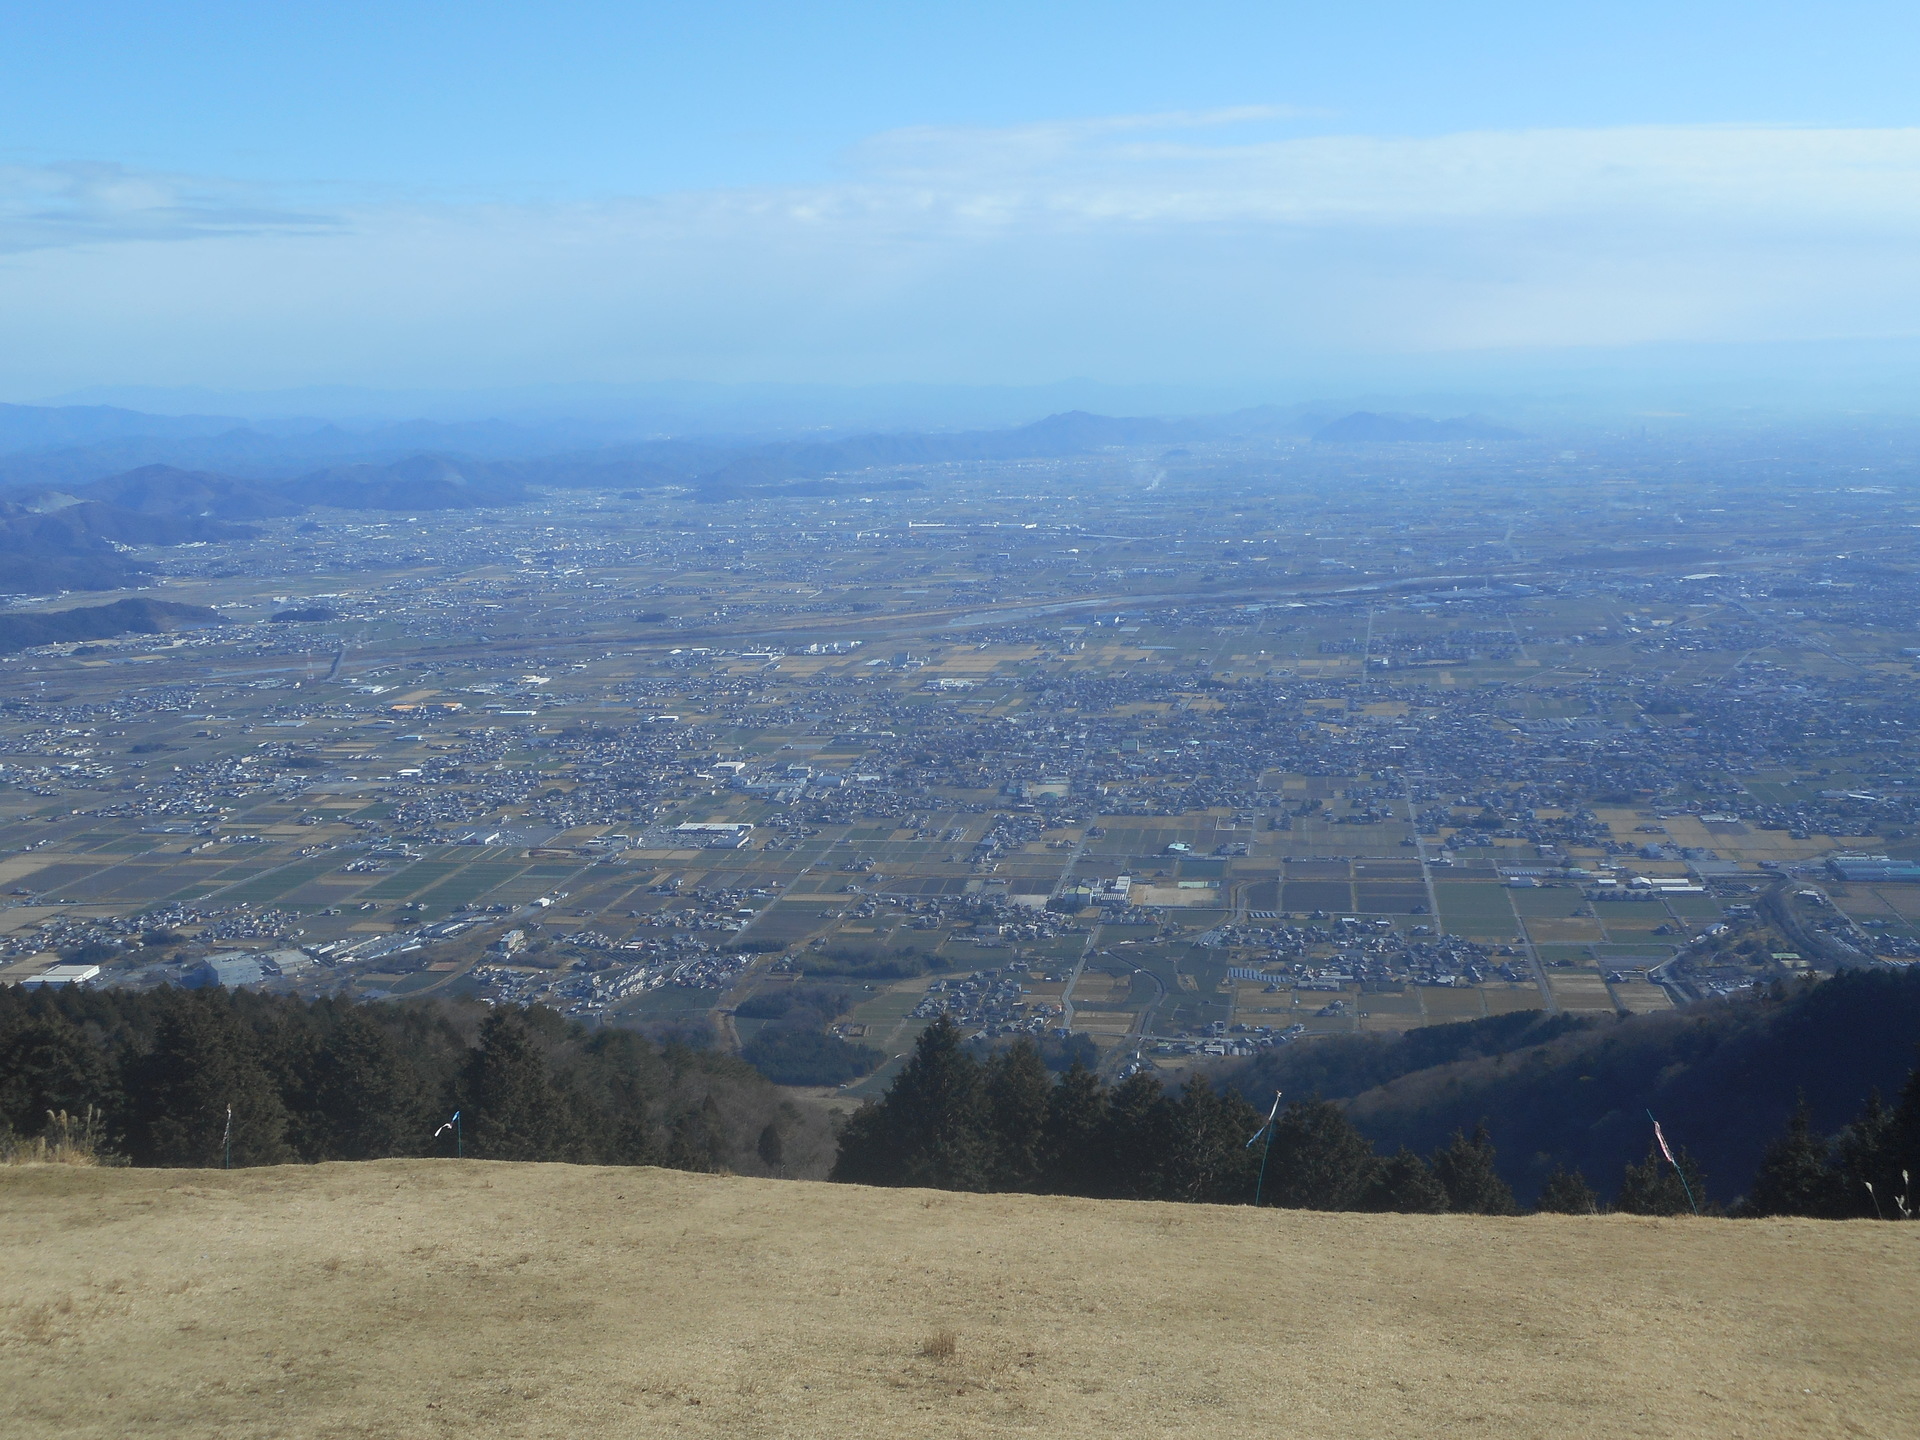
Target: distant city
1172	752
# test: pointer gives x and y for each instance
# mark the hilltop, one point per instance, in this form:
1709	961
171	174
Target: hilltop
430	1298
136	616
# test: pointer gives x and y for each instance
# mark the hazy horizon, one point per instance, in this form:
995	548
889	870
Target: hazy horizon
1704	388
1245	207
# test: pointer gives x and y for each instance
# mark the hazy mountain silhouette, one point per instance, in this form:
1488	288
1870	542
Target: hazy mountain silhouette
165	490
419	482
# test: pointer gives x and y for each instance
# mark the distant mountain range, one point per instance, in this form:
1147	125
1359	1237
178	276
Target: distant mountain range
65	446
487	461
77	538
439	480
51	541
163	490
86	483
68	447
47	427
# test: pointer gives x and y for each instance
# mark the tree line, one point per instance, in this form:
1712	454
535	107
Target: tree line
210	1077
1574	1091
953	1122
333	1080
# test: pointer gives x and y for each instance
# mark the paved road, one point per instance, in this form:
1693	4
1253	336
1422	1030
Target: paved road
1143	1027
1780	904
1066	995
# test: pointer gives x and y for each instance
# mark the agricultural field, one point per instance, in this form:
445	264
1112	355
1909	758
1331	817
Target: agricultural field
642	761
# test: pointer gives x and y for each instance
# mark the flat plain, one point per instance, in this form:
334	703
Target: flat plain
422	1298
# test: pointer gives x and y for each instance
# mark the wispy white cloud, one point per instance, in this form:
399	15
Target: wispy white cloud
1132	247
957	154
1142	170
82	203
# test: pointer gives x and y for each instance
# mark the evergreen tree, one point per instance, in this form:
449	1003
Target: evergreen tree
357	1099
1404	1184
47	1064
1900	1153
1567	1193
865	1154
328	1079
1319	1161
697	1138
1465	1169
1653	1187
616	1079
1018	1092
1211	1161
1076	1124
1138	1147
939	1114
203	1062
772	1148
512	1111
1865	1179
930	1128
1794	1177
1876	1159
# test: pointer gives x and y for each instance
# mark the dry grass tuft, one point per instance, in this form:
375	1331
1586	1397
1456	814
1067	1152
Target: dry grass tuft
942	1345
66	1141
40	1324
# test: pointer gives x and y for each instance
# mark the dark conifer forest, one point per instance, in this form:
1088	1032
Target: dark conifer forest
952	1121
328	1080
1565	1094
1801	1102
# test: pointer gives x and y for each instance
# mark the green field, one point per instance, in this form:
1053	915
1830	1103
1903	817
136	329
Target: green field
1480	911
1577	954
278	883
1546	903
411	880
789	920
466	886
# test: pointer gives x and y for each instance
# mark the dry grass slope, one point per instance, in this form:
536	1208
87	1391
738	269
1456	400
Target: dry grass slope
412	1298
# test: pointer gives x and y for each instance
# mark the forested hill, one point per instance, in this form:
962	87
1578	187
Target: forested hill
1722	1077
1571	1110
135	616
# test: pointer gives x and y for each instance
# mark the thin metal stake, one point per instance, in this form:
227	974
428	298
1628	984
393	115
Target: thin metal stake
1267	1129
1695	1204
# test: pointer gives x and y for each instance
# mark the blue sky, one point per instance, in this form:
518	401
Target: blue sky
494	194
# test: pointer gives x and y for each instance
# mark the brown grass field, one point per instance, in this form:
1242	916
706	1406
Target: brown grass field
419	1298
